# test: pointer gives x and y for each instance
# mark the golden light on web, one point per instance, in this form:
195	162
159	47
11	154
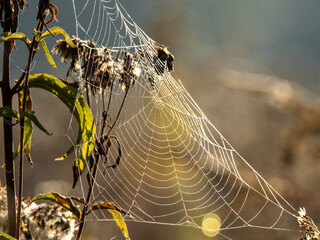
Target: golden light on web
211	225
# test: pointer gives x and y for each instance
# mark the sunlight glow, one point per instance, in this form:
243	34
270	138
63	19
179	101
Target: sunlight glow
211	225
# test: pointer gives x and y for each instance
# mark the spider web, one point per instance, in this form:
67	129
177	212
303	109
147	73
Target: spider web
175	168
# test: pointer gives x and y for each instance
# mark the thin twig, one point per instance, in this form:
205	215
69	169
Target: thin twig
16	86
110	97
118	115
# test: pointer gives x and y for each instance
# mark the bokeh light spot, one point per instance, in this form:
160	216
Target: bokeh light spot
211	225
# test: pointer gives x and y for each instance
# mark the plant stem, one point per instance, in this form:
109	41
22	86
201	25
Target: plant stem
17	233
7	122
20	186
32	52
8	138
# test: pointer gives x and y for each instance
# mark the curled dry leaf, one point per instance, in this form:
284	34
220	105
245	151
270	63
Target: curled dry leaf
63	201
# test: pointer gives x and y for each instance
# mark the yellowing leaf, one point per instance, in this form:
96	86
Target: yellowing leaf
4	236
120	222
63	201
58	30
16	36
47	53
71	149
27	148
78	106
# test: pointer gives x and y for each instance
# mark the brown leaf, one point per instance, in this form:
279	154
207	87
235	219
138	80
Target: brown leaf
107	205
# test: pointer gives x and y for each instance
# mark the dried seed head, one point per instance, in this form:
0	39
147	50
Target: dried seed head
67	53
311	230
101	67
40	221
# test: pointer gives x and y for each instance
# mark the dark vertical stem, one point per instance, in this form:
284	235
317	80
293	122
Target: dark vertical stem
32	52
8	138
17	234
20	186
7	123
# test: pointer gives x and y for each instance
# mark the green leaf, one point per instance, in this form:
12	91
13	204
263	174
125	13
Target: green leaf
34	119
58	30
16	36
8	112
28	128
27	133
47	53
107	205
63	201
78	106
120	222
4	236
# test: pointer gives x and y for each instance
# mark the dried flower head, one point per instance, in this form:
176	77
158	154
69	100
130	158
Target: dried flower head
130	71
101	67
48	221
311	230
40	221
67	53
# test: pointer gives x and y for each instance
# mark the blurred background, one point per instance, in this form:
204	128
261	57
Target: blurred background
253	68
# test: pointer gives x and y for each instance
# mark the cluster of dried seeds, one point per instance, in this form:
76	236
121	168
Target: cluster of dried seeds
311	230
40	221
100	67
